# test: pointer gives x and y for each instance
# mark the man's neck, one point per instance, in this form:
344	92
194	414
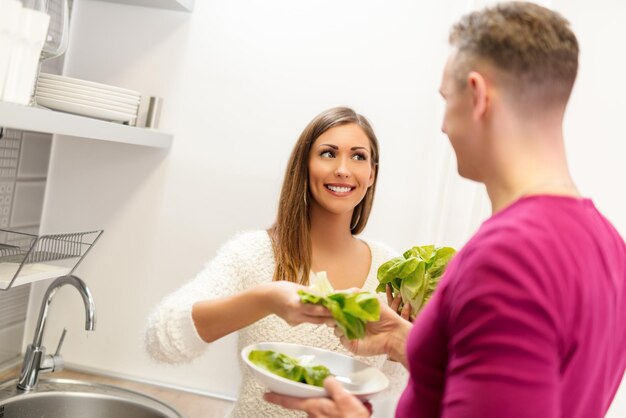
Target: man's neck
531	163
503	198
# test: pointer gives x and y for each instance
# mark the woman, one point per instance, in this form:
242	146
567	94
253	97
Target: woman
251	285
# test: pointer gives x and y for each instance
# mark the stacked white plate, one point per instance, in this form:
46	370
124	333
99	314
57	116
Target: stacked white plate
87	98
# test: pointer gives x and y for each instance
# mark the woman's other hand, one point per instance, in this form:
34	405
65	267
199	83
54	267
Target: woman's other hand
285	302
394	303
340	404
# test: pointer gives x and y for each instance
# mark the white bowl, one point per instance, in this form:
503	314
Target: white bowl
360	379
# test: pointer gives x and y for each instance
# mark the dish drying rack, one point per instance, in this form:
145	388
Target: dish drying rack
25	258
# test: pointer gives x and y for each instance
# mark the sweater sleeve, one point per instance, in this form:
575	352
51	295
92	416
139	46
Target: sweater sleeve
170	334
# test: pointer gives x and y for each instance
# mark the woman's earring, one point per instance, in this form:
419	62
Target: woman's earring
358	218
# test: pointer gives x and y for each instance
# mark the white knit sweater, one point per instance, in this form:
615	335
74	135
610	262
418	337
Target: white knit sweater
246	261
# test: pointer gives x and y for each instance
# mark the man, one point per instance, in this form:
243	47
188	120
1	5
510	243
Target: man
528	320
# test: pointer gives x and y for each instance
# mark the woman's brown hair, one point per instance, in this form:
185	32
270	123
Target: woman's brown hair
290	234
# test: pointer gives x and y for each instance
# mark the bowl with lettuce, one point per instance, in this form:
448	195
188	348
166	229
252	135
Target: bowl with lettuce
299	370
415	275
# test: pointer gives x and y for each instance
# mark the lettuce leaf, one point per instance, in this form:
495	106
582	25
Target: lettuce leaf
415	275
350	310
320	284
289	367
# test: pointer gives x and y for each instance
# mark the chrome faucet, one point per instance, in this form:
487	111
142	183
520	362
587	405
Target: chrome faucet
35	360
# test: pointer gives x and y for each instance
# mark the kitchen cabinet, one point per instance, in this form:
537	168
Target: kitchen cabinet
24	199
35	127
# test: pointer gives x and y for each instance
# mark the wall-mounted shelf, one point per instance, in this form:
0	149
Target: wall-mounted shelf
180	5
49	121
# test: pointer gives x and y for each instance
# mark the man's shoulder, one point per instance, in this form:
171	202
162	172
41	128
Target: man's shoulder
500	253
529	223
497	237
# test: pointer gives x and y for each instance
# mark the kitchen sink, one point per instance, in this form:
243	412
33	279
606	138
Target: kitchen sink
66	398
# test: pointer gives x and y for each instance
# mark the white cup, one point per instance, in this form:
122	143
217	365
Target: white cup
10	11
25	54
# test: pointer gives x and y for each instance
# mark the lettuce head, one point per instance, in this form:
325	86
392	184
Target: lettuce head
415	275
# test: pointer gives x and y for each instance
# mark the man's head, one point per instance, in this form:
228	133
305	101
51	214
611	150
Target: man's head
519	55
532	49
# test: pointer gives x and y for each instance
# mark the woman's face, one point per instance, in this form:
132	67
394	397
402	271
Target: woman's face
340	168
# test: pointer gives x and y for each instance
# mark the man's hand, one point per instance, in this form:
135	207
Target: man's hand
341	403
394	303
386	336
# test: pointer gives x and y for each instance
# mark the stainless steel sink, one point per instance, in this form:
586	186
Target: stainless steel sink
65	398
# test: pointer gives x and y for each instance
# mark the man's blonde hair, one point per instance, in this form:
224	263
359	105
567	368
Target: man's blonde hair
531	46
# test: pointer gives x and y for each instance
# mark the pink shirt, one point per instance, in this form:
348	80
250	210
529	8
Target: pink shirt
529	320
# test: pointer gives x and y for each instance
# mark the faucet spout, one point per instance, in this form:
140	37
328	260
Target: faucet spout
85	293
35	360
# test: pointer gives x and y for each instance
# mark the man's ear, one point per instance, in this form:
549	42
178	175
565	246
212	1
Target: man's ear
480	97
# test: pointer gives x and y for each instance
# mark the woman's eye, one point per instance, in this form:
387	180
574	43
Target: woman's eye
359	157
327	154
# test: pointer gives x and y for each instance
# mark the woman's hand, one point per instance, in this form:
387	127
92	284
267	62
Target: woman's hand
394	303
340	404
285	302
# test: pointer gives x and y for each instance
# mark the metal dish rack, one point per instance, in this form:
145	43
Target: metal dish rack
41	256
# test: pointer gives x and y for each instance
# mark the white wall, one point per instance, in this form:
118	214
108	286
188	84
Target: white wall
240	80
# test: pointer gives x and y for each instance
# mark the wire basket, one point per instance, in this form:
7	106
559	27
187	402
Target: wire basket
25	258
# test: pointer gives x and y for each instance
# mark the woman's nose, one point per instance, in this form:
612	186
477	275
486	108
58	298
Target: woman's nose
342	169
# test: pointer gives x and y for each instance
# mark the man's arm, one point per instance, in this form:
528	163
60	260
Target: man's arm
503	348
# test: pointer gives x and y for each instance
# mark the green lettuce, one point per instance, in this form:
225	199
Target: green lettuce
289	367
415	275
350	310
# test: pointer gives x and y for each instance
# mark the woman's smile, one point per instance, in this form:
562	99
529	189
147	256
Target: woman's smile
339	189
